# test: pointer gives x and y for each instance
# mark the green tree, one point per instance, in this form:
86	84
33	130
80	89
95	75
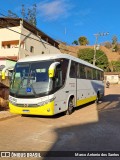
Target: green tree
114	40
30	16
115	66
12	14
115	48
87	54
107	45
110	67
115	44
75	42
83	41
23	11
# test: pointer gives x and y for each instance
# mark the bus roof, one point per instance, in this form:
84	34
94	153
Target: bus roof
55	56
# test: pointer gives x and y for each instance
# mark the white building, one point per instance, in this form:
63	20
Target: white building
19	39
112	77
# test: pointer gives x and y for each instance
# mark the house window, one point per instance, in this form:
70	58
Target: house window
31	49
10	44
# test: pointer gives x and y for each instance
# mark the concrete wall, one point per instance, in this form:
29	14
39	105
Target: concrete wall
112	78
39	46
23	50
8	35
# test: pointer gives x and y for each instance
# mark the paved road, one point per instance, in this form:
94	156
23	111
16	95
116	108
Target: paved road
90	128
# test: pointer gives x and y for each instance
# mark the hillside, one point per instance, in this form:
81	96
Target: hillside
73	50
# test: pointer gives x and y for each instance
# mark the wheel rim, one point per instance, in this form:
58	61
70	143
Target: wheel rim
98	98
70	107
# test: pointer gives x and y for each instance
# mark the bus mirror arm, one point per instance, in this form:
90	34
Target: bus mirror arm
51	70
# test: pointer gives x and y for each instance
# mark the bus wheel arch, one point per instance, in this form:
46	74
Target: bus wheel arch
70	105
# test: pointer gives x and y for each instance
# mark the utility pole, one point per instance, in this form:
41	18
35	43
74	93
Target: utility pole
96	43
65	35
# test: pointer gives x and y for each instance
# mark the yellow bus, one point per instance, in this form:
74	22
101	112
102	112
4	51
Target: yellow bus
54	83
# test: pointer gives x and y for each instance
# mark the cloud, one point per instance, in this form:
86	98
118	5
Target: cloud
55	9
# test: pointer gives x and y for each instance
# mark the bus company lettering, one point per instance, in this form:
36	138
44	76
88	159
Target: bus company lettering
33	155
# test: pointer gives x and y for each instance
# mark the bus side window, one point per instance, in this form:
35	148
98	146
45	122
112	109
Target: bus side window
78	70
64	67
89	73
94	74
73	69
98	75
58	77
82	71
101	76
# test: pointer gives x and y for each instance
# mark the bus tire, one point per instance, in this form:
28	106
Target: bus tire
23	115
70	106
98	98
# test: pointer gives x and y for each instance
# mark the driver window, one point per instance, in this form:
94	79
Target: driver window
58	77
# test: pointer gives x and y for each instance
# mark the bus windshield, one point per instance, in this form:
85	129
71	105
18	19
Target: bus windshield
31	79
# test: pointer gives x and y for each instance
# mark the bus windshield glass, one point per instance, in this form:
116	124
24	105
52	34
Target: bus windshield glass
31	79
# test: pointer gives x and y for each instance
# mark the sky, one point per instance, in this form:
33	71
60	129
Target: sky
67	20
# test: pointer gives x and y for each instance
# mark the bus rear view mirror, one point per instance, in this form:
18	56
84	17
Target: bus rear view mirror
3	75
6	69
52	68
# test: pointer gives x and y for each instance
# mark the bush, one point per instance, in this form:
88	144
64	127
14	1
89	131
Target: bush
87	54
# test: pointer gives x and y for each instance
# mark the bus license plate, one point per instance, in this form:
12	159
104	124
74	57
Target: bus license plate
26	111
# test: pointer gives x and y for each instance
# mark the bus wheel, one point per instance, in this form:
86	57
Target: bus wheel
98	98
24	115
70	107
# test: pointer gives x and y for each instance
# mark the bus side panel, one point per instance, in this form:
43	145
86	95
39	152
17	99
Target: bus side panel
87	90
98	86
62	95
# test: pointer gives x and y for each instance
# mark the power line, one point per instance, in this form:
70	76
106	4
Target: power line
35	39
97	35
96	43
29	36
22	33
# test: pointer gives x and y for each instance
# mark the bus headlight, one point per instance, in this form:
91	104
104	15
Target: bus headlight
41	103
12	100
45	102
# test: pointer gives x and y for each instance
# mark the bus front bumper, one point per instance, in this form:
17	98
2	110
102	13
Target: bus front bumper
47	109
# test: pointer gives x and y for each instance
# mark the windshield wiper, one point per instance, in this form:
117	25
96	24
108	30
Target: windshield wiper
33	90
19	86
